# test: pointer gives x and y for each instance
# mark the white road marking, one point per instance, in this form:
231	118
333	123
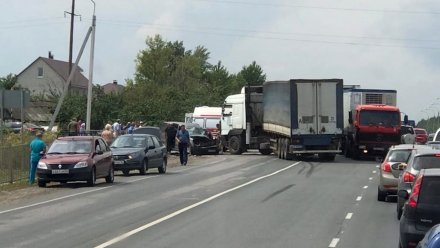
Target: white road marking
374	171
348	216
69	196
334	243
366	187
358	198
151	224
370	178
377	166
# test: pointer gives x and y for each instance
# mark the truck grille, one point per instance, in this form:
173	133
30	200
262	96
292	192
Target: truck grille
380	138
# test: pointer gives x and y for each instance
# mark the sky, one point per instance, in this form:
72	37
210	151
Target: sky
393	44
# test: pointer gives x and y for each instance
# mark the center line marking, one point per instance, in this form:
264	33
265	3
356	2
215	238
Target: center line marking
370	178
358	198
348	216
366	187
334	243
178	212
374	171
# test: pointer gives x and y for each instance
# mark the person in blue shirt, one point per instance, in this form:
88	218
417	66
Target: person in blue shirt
130	128
38	147
182	138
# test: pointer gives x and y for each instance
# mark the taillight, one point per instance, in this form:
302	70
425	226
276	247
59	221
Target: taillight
386	167
408	177
415	192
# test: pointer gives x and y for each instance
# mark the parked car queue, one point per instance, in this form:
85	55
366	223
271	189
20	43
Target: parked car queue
412	173
86	158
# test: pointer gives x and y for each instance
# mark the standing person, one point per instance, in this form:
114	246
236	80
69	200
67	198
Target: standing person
38	147
130	128
182	137
116	128
170	132
82	129
73	127
107	134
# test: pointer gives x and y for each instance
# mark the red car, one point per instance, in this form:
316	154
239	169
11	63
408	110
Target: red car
421	135
76	158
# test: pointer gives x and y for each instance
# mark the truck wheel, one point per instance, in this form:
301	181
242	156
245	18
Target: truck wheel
235	145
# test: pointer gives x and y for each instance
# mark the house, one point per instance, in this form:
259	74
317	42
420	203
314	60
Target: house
47	77
113	87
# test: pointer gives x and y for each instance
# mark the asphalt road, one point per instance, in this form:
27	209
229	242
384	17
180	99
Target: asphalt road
225	201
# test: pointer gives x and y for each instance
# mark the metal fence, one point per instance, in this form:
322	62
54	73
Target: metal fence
14	163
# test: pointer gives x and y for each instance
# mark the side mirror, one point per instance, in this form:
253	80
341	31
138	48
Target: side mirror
405	119
350	117
403	194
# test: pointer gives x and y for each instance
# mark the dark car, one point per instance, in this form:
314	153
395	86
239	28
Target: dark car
15	127
139	152
431	239
422	209
76	158
421	158
149	130
421	135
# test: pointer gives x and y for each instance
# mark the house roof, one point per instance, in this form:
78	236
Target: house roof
62	69
112	88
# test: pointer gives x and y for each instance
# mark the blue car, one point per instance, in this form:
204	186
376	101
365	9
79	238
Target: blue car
431	239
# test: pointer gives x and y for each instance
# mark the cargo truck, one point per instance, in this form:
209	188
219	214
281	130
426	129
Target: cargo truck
293	118
372	123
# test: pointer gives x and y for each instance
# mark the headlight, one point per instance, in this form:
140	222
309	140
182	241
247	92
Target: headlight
133	155
81	165
42	165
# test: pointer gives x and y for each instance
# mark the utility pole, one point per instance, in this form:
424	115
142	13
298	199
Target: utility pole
90	86
72	19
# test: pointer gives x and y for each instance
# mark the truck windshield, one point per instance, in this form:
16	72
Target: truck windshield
379	118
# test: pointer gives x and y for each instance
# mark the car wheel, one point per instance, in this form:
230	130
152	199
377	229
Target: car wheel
41	183
111	175
381	196
163	168
92	178
126	172
144	168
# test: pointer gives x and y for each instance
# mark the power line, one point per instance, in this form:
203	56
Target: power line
266	35
322	8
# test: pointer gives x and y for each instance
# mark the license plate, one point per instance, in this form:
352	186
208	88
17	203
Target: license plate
64	171
211	150
378	148
119	162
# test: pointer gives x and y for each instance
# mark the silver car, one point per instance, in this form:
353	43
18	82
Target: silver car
392	166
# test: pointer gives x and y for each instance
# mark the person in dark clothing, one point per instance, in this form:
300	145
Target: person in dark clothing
171	132
182	137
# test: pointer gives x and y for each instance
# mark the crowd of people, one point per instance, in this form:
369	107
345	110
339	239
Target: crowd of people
112	131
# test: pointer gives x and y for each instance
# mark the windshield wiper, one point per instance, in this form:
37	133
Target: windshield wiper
72	152
54	153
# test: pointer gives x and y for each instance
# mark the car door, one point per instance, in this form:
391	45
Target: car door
151	153
98	159
159	151
107	159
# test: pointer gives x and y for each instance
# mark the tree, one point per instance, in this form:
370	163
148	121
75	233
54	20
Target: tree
251	74
8	82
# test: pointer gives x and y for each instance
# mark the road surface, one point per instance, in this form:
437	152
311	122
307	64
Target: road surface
224	201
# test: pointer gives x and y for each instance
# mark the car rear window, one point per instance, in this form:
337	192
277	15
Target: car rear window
430	191
426	162
399	155
420	131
